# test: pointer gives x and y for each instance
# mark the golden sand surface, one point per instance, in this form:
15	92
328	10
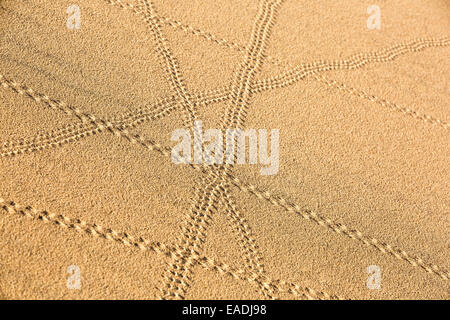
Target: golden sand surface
87	180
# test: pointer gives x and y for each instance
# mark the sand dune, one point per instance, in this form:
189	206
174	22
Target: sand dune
92	205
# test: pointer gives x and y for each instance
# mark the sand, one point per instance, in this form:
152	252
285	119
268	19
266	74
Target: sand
87	180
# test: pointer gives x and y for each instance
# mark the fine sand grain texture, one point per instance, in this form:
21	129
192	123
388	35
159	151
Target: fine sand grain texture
87	179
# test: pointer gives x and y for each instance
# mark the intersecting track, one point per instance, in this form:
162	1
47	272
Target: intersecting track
73	132
165	106
140	243
213	189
